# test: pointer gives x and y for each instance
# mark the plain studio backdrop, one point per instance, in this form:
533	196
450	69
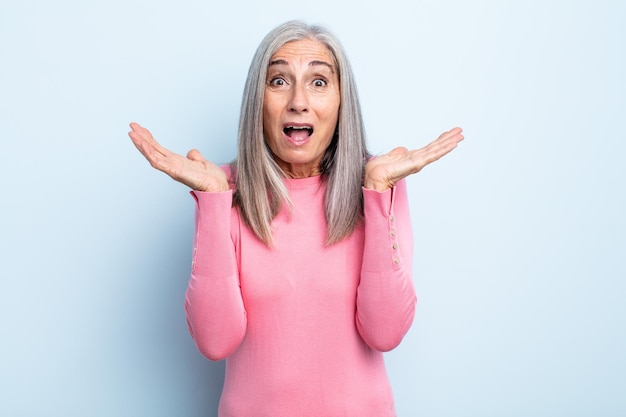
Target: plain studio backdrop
520	232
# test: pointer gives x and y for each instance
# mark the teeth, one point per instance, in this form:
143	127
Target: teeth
290	129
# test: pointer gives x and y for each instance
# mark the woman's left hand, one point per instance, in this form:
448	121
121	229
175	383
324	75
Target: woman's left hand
384	171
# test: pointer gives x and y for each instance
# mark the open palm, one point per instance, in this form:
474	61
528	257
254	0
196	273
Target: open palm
384	171
192	170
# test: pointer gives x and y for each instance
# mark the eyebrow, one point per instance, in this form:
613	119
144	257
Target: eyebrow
311	64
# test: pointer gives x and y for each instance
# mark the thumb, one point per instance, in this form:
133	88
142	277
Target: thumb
195	155
400	151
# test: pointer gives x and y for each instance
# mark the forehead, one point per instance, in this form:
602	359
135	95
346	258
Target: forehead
305	50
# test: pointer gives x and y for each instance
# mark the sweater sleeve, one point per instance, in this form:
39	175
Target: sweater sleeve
386	297
213	304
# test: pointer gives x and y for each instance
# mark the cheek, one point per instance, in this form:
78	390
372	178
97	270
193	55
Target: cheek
333	110
269	107
266	111
333	117
269	123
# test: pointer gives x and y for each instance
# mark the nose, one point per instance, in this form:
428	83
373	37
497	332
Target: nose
299	101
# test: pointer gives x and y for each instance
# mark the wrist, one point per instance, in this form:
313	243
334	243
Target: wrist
218	187
376	185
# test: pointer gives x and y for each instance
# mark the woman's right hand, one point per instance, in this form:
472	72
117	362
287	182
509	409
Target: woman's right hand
193	170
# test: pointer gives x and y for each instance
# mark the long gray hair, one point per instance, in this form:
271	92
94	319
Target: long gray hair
259	188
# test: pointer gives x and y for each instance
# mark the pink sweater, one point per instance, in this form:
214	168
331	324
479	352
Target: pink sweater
302	326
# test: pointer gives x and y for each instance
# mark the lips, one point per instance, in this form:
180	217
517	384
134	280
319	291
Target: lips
298	130
298	134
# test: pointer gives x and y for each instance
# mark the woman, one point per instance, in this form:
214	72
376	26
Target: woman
301	272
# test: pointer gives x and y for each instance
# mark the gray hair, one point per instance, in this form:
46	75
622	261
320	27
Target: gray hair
259	188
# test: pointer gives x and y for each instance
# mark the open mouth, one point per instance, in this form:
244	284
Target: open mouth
298	131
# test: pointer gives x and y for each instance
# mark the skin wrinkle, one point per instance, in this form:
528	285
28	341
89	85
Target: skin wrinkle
311	64
302	88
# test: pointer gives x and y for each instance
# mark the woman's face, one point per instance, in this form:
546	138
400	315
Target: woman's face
301	106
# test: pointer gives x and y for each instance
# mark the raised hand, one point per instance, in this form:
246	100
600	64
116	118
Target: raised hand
384	171
192	170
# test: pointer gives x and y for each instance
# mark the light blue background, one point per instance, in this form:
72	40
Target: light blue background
520	233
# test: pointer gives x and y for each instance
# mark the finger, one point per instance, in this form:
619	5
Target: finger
394	154
400	150
145	142
447	140
456	134
138	133
158	156
137	129
455	130
438	148
452	133
434	151
195	155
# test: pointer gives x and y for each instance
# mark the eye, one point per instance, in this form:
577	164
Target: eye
277	82
319	82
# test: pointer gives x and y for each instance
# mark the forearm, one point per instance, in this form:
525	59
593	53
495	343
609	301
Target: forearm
386	297
213	304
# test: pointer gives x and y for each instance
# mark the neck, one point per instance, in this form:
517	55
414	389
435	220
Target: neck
295	172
